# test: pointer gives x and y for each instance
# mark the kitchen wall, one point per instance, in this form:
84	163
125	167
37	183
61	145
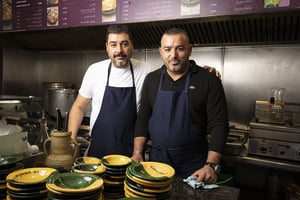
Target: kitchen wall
248	72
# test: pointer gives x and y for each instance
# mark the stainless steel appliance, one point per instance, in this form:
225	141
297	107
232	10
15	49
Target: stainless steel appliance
273	140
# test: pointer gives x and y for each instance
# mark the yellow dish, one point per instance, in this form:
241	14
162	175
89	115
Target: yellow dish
154	184
87	160
153	171
116	160
89	168
30	175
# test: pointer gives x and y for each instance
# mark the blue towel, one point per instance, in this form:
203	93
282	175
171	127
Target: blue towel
191	180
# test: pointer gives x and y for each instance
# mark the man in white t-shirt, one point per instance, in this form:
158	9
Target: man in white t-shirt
113	86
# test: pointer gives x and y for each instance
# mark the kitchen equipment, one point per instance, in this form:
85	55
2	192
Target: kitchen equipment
273	140
13	143
62	152
53	86
62	99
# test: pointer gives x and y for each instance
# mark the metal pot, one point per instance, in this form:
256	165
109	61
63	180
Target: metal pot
62	99
53	86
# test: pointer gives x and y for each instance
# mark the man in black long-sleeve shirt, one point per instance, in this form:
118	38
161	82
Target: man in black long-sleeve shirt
181	102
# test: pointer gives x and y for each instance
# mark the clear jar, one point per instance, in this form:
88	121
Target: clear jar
280	97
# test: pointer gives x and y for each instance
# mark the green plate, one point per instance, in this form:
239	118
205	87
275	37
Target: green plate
87	160
9	161
152	171
74	182
89	168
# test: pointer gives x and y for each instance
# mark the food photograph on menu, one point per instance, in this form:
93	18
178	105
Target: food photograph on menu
52	16
52	2
7	15
189	7
109	10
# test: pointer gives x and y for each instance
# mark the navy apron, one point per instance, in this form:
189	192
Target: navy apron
113	130
175	140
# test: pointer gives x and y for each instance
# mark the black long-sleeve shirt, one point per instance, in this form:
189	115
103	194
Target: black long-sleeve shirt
207	103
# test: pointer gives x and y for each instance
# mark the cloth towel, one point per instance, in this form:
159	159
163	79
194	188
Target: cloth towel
191	180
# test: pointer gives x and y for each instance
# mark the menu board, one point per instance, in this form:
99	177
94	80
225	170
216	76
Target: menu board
48	14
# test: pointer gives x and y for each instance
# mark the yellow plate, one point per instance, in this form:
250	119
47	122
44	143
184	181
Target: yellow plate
147	189
89	168
74	182
144	182
152	171
31	175
116	160
87	160
131	193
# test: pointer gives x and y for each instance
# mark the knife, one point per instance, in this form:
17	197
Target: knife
59	121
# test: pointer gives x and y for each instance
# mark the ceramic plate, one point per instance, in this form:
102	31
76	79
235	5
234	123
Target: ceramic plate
148	189
153	171
148	183
8	161
116	160
30	175
87	160
89	168
74	182
30	189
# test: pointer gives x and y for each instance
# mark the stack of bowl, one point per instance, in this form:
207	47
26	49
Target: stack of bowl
28	183
151	180
114	175
77	186
8	164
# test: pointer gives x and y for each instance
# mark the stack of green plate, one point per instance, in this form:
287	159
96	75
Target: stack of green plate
28	183
114	175
8	164
151	180
77	186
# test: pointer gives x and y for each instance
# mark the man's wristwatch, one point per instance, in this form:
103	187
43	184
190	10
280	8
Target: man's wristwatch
215	167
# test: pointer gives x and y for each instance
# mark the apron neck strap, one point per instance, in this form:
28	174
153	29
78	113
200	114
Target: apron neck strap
109	70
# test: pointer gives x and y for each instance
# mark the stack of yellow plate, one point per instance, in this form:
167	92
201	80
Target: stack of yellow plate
77	186
8	164
151	180
114	175
29	183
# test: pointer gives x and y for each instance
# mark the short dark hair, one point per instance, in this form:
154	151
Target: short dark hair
118	29
175	31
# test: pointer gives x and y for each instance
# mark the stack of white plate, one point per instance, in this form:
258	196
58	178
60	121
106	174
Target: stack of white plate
8	164
114	175
77	186
28	183
151	180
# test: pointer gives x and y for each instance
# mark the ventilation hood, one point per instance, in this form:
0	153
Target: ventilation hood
244	29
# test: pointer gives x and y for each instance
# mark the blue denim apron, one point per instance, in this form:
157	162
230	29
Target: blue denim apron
113	131
175	140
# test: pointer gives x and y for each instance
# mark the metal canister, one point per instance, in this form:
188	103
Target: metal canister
52	86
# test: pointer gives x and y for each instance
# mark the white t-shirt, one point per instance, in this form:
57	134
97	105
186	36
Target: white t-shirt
95	78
